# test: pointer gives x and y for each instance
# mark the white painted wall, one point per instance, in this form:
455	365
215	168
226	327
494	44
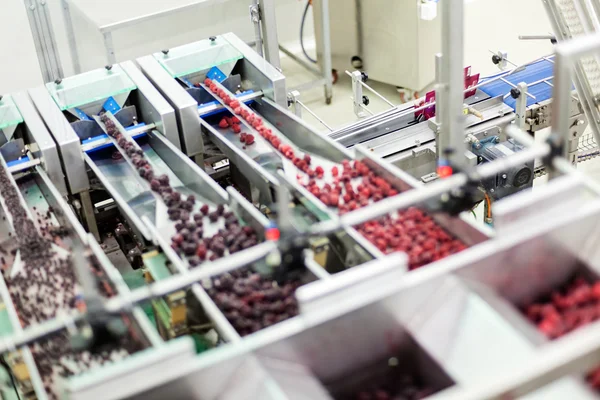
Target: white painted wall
496	25
489	24
19	67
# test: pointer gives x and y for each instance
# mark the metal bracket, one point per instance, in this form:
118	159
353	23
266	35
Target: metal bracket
357	91
293	100
521	106
255	18
500	58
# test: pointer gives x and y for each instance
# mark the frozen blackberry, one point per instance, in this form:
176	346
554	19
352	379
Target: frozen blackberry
164	179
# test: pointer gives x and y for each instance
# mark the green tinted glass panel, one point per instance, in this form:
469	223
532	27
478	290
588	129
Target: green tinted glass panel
91	86
198	56
9	113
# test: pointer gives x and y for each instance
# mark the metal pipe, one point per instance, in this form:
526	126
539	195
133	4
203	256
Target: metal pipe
326	64
516	87
126	301
314	115
520	136
372	90
536	37
181	281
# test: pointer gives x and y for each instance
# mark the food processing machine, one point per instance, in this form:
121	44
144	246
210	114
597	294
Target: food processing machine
40	229
318	263
522	96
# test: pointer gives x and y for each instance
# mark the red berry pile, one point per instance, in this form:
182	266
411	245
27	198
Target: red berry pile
575	305
251	302
351	185
190	241
413	232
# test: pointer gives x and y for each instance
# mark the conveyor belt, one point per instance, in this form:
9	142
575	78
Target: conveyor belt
534	73
57	224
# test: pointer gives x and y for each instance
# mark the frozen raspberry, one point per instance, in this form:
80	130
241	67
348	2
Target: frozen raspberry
236	128
223	124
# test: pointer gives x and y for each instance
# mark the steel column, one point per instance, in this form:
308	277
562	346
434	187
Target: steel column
269	32
452	87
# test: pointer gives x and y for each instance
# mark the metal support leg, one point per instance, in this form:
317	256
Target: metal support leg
269	32
90	216
43	37
521	106
452	124
255	18
357	92
68	20
326	46
110	48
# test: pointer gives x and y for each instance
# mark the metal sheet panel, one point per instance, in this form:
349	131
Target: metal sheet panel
190	136
67	140
152	106
260	72
45	144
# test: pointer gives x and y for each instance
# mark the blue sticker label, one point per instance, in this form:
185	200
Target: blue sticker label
216	74
111	105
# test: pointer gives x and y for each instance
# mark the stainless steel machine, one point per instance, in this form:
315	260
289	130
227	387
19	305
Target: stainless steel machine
320	272
520	96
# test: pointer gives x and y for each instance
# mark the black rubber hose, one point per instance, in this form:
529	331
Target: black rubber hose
302	33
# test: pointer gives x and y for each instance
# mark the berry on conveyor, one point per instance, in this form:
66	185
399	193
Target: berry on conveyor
566	309
251	301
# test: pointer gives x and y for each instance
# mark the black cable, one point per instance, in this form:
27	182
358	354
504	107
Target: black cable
302	33
12	377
